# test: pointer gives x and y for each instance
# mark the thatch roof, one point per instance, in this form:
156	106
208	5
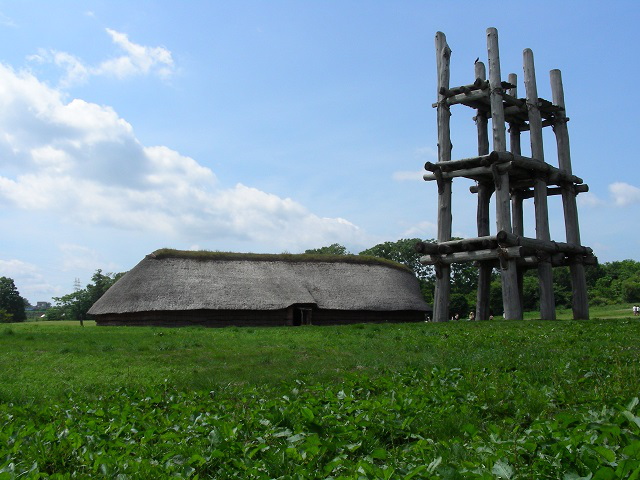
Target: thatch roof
171	280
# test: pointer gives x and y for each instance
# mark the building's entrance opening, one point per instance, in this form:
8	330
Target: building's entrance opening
301	316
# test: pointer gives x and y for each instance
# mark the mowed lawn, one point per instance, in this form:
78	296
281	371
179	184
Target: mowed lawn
500	399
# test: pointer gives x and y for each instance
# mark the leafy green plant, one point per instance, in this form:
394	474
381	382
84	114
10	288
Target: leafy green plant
383	427
479	400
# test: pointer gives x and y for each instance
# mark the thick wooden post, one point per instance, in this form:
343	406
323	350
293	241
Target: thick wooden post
443	272
515	148
509	274
580	302
484	197
517	207
545	274
517	212
481	116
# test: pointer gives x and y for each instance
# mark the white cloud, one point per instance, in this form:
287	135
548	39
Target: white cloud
9	268
589	199
422	230
6	21
624	194
76	73
82	163
79	257
137	60
404	175
428	152
621	195
422	154
28	279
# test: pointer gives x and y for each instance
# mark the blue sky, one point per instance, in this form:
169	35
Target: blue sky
280	126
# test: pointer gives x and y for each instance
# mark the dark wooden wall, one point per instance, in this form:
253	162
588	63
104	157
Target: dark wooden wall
253	318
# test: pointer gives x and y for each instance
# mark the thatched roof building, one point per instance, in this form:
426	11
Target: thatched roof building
173	288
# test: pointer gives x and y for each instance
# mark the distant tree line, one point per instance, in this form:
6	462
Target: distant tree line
608	283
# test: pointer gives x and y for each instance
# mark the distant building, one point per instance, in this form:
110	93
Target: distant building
42	305
181	288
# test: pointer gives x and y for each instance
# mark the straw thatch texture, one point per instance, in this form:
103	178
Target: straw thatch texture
184	288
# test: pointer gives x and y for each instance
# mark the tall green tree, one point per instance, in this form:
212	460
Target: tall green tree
614	282
631	289
402	251
562	287
496	307
74	306
459	305
530	291
333	249
464	280
11	302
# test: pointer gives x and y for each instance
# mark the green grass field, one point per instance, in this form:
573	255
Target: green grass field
501	399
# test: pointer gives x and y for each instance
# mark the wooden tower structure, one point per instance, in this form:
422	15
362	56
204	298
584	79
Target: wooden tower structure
510	178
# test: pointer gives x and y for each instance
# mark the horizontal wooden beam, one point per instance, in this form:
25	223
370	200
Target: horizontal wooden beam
558	260
473	256
518	122
465	244
463	98
555	174
511	101
507	239
532	261
475	173
478	84
476	95
426	247
526	192
503	246
582	188
451	165
517	163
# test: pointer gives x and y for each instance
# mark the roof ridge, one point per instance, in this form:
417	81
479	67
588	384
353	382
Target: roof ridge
207	255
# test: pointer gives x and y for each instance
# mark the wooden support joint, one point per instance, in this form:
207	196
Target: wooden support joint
480	114
497	180
576	260
515	127
478	84
559	121
569	187
426	248
532	105
481	83
444	104
438	268
440	181
543	256
503	257
490	188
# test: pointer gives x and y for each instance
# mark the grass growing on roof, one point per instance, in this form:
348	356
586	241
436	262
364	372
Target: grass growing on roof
206	255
